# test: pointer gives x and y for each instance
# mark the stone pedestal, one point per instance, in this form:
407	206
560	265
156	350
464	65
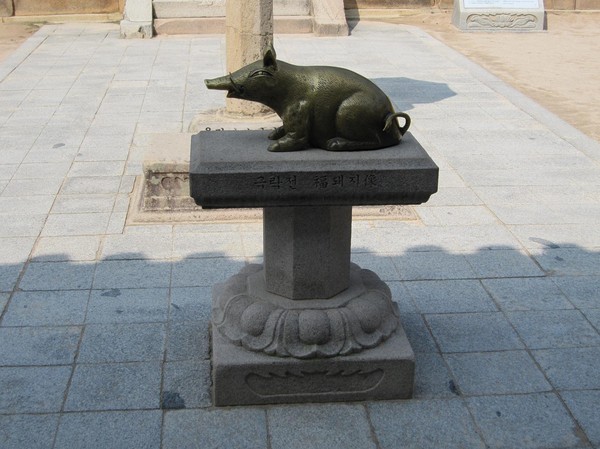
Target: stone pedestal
308	325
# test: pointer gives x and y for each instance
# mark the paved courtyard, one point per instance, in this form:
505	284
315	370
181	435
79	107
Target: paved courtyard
103	331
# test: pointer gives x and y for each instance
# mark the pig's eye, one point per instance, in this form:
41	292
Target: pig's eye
260	73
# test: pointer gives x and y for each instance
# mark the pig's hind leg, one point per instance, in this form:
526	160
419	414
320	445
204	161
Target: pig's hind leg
359	125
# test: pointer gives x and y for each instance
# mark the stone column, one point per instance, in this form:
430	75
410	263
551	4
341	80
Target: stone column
248	33
6	8
307	250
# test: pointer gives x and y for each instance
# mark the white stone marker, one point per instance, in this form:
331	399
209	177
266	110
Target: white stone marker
499	15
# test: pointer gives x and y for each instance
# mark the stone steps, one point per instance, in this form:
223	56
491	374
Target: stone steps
208	16
188	9
216	25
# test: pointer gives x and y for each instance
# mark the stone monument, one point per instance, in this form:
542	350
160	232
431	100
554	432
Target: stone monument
499	15
308	325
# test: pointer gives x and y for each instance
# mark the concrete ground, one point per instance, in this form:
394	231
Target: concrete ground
103	331
541	65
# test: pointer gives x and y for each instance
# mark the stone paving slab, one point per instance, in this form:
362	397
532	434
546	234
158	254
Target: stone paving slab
104	325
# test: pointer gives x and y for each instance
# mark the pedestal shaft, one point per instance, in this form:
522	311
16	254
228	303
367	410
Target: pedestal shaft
307	250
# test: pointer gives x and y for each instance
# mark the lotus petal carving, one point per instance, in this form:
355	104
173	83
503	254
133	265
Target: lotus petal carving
342	325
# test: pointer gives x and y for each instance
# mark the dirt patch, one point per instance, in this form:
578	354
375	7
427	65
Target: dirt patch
12	35
559	68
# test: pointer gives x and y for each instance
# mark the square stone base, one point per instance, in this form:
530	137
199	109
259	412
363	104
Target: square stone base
243	377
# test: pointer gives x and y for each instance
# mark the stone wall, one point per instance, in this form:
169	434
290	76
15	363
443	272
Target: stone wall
59	7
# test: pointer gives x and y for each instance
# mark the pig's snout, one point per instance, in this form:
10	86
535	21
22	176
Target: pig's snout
226	82
221	83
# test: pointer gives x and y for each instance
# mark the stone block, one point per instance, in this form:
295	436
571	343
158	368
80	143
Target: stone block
131	274
115	386
545	329
432	379
501	372
115	429
471	332
9	275
292	24
186	384
170	9
567	5
522	294
318	426
138	11
131	305
499	15
584	406
47	308
571	368
58	276
21	346
426	424
203	272
292	7
137	19
30	431
234	169
387	4
188	340
587	4
166	184
329	18
136	30
535	421
191	303
242	377
216	25
39	389
127	342
450	296
214	428
6	8
54	7
348	347
193	9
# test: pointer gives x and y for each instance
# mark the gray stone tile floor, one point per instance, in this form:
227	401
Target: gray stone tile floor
104	325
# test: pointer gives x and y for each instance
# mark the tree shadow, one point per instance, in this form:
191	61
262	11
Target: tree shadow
128	311
405	93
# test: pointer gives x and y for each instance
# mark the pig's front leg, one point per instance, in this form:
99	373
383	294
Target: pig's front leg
296	124
290	142
277	134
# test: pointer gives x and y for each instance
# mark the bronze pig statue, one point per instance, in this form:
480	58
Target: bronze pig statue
323	107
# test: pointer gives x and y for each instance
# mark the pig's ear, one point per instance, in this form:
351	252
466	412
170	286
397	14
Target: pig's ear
270	58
